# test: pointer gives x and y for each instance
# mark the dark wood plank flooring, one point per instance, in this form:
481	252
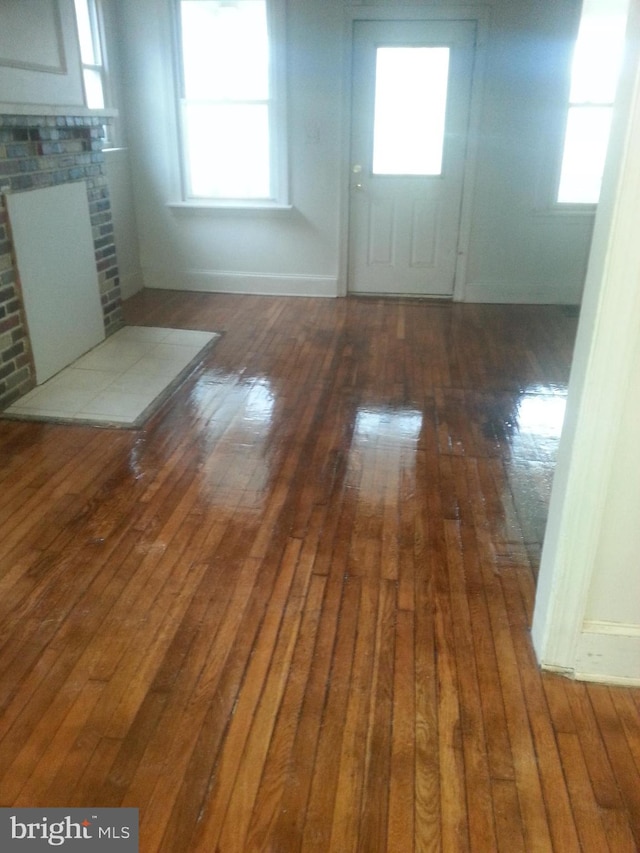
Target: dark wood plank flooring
292	613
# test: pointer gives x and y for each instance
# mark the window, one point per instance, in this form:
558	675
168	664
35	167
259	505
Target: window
594	78
409	111
232	121
91	54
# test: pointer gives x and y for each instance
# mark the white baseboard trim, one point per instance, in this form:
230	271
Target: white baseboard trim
506	293
216	281
609	653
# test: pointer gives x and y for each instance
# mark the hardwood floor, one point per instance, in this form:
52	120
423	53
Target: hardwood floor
292	613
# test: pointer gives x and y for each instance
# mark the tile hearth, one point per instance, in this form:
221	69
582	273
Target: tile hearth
118	383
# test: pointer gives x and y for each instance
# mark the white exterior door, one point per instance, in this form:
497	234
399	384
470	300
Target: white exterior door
410	116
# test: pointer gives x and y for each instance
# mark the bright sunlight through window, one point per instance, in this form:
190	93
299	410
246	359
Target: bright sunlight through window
228	115
410	107
90	53
594	78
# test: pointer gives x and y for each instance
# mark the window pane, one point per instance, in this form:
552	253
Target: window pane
88	49
585	151
598	52
94	94
225	50
410	107
227	150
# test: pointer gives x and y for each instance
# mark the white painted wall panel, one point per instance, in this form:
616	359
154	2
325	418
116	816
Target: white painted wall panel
52	237
39	53
31	35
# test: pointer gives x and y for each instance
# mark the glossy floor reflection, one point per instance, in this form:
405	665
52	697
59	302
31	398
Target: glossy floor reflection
522	428
292	612
237	466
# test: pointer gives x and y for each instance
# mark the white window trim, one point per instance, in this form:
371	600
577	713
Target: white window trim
574	206
588	207
96	27
549	168
99	34
279	157
550	152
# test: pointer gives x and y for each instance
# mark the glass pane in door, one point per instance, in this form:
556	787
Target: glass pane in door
410	108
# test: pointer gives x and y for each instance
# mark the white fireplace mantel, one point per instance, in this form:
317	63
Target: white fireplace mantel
7	109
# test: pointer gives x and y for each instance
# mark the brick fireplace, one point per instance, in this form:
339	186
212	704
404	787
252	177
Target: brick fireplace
43	150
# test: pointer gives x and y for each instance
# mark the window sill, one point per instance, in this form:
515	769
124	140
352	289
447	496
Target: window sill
579	210
206	208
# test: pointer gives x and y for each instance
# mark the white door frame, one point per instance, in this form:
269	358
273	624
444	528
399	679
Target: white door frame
478	15
603	359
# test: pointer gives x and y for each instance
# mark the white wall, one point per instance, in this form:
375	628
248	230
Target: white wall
39	55
265	251
614	593
519	251
124	220
118	159
587	614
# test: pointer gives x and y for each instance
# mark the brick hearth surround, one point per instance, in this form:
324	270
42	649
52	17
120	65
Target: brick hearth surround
43	151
